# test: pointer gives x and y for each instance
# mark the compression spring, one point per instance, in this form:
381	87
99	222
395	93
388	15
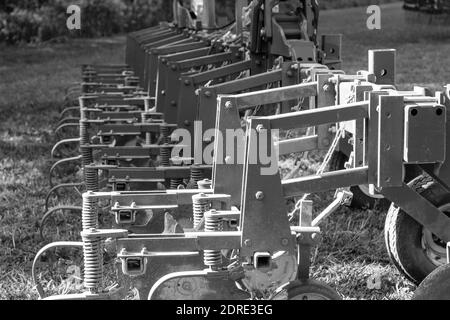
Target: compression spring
89	214
91	179
165	133
200	205
92	247
175	182
196	176
86	151
212	258
165	155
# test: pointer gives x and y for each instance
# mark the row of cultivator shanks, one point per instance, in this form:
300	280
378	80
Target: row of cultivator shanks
180	189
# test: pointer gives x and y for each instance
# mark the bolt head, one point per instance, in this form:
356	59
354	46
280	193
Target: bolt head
248	243
228	160
207	94
259	128
289	73
259	195
327	87
228	105
284	242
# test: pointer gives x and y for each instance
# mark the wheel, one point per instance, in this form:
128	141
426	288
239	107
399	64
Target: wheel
362	199
414	250
306	290
436	286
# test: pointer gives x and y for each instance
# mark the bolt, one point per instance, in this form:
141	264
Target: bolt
173	103
289	73
187	82
259	195
284	242
208	94
300	237
228	160
259	128
174	67
187	123
258	62
326	142
228	105
326	87
248	243
163	92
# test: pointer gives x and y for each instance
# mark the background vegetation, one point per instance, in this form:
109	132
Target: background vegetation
42	20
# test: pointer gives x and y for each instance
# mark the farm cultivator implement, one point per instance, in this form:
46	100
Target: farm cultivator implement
214	223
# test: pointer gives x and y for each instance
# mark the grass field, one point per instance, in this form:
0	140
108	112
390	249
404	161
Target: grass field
32	82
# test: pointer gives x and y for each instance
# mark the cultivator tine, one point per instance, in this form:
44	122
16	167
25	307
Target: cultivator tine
66	125
57	164
68	110
53	211
61	143
69	244
55	189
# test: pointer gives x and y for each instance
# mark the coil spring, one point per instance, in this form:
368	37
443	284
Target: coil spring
212	258
93	264
165	155
89	213
91	179
200	205
165	133
92	247
84	134
146	118
86	152
196	176
174	183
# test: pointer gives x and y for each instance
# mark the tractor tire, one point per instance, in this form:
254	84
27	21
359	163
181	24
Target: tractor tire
436	286
415	251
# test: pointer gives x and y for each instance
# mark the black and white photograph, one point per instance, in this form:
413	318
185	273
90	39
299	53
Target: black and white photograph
224	154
